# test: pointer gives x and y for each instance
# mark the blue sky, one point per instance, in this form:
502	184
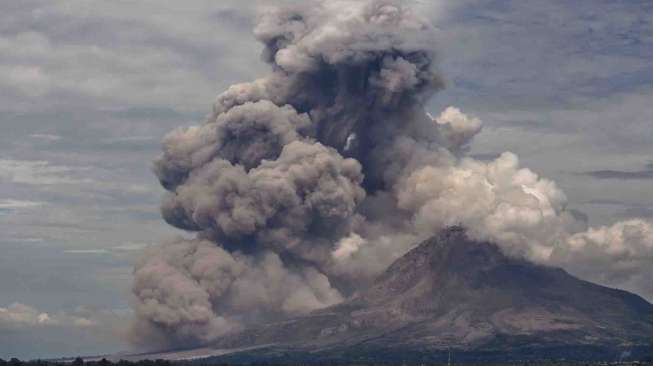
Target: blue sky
89	88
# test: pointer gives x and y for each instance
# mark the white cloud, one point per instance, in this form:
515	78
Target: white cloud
347	246
45	136
86	251
456	128
620	255
12	204
28	332
39	172
18	314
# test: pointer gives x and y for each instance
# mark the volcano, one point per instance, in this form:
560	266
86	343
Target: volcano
454	293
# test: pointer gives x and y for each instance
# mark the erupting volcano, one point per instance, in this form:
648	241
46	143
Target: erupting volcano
309	188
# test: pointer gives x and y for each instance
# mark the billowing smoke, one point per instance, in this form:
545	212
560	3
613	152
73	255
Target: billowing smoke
304	185
181	284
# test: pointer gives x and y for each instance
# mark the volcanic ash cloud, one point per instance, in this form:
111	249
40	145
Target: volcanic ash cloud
305	184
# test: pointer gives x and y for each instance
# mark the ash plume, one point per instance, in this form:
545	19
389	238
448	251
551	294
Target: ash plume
305	184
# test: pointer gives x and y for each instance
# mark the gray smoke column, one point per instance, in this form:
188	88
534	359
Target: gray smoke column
275	180
303	185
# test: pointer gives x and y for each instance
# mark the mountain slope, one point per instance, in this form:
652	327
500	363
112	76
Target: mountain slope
453	292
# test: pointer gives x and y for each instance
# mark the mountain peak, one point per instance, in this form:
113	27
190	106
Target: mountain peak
453	291
449	256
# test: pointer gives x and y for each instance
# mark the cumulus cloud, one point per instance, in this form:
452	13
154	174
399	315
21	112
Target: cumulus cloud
20	314
303	185
496	200
618	255
456	128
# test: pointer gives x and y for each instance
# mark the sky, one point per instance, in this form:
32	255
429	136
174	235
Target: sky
89	88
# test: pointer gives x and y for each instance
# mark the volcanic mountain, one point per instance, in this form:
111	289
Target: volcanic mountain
451	292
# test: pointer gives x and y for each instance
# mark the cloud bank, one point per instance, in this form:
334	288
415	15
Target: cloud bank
303	185
22	324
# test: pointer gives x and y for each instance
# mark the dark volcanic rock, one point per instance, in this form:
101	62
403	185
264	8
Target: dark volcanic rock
453	292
